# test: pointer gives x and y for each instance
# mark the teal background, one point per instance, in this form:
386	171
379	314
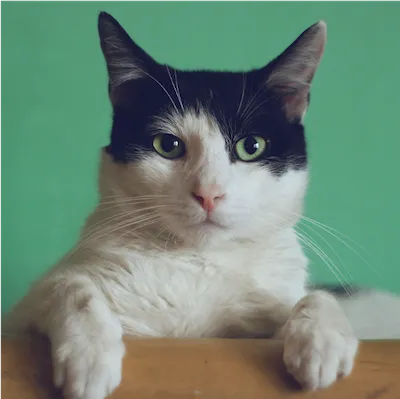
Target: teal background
56	116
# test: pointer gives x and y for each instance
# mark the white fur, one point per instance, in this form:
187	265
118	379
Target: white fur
148	265
373	314
319	344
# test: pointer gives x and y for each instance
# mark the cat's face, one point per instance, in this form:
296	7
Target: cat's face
213	155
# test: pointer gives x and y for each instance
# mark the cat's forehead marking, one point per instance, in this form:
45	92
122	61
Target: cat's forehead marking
189	123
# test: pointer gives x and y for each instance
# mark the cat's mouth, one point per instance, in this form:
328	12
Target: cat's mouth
209	224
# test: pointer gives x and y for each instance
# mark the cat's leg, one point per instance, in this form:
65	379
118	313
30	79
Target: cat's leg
85	336
319	344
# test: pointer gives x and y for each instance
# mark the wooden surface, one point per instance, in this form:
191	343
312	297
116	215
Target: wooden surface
183	369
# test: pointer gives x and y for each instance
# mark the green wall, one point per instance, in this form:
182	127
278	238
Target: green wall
56	116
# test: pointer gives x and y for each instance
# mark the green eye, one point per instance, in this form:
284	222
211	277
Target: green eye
250	148
168	146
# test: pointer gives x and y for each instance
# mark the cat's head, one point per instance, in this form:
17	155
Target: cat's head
209	155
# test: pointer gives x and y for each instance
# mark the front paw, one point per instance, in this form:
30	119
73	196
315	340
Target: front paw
87	369
319	345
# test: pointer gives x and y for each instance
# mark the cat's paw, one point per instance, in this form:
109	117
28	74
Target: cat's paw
88	369
319	345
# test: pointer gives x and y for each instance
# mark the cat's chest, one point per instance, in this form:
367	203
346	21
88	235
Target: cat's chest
230	267
193	294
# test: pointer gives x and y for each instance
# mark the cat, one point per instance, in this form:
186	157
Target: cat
200	188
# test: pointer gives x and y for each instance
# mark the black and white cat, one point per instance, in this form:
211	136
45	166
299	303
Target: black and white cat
200	188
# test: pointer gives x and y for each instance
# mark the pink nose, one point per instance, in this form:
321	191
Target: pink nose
208	196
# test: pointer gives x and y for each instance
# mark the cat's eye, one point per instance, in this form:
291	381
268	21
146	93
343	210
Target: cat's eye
250	148
169	146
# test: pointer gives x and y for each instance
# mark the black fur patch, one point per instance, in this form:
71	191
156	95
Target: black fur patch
240	102
338	290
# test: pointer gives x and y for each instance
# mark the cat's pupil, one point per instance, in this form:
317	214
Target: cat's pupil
251	145
169	143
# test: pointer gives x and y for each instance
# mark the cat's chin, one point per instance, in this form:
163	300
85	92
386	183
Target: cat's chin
203	234
208	225
205	240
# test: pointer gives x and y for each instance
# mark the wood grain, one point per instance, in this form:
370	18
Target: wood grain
209	369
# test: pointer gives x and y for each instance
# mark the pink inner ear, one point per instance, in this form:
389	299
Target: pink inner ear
295	104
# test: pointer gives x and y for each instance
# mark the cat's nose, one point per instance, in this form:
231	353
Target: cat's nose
208	196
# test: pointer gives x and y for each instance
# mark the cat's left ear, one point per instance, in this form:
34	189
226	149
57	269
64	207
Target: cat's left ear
290	75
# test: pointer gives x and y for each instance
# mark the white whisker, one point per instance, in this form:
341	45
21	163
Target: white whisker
330	246
330	231
243	92
322	255
175	88
165	90
250	103
110	219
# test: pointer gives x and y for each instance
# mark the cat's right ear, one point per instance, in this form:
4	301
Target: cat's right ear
126	61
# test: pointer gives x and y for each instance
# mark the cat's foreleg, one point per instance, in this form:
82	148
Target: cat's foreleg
85	335
319	344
